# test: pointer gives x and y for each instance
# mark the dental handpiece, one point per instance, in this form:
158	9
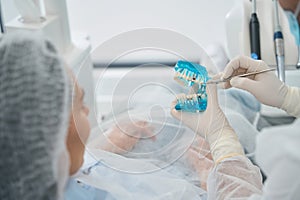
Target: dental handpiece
279	45
254	33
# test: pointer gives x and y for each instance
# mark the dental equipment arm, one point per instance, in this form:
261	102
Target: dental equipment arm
266	87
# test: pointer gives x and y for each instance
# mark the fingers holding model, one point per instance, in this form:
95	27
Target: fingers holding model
213	126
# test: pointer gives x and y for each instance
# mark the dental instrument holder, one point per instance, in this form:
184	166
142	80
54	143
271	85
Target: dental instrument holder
279	45
55	25
76	53
192	75
254	33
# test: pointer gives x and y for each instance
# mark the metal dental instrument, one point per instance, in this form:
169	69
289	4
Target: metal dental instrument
279	44
217	81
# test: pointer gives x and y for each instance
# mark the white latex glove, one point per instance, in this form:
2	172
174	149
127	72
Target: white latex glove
213	126
266	87
291	102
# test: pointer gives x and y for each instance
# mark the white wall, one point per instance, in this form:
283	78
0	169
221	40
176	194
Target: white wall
8	9
201	20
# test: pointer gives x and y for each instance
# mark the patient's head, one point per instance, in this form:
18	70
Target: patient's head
79	128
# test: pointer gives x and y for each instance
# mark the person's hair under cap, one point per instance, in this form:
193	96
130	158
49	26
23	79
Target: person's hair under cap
34	115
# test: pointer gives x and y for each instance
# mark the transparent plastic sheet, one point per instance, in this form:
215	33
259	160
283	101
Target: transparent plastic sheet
160	169
167	167
127	186
175	165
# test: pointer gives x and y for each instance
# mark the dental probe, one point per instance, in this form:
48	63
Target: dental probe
217	81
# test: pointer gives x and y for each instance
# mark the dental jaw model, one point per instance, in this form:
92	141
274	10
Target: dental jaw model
191	75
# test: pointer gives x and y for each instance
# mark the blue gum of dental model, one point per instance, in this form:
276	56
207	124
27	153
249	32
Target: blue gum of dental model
189	74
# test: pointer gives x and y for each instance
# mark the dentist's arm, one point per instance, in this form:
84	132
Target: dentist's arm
266	87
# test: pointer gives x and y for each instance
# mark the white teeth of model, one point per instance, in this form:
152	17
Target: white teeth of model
192	74
180	97
187	75
183	97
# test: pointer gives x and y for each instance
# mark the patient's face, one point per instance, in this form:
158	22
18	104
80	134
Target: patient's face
290	5
79	130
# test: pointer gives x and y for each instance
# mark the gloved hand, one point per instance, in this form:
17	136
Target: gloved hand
123	137
266	87
213	126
